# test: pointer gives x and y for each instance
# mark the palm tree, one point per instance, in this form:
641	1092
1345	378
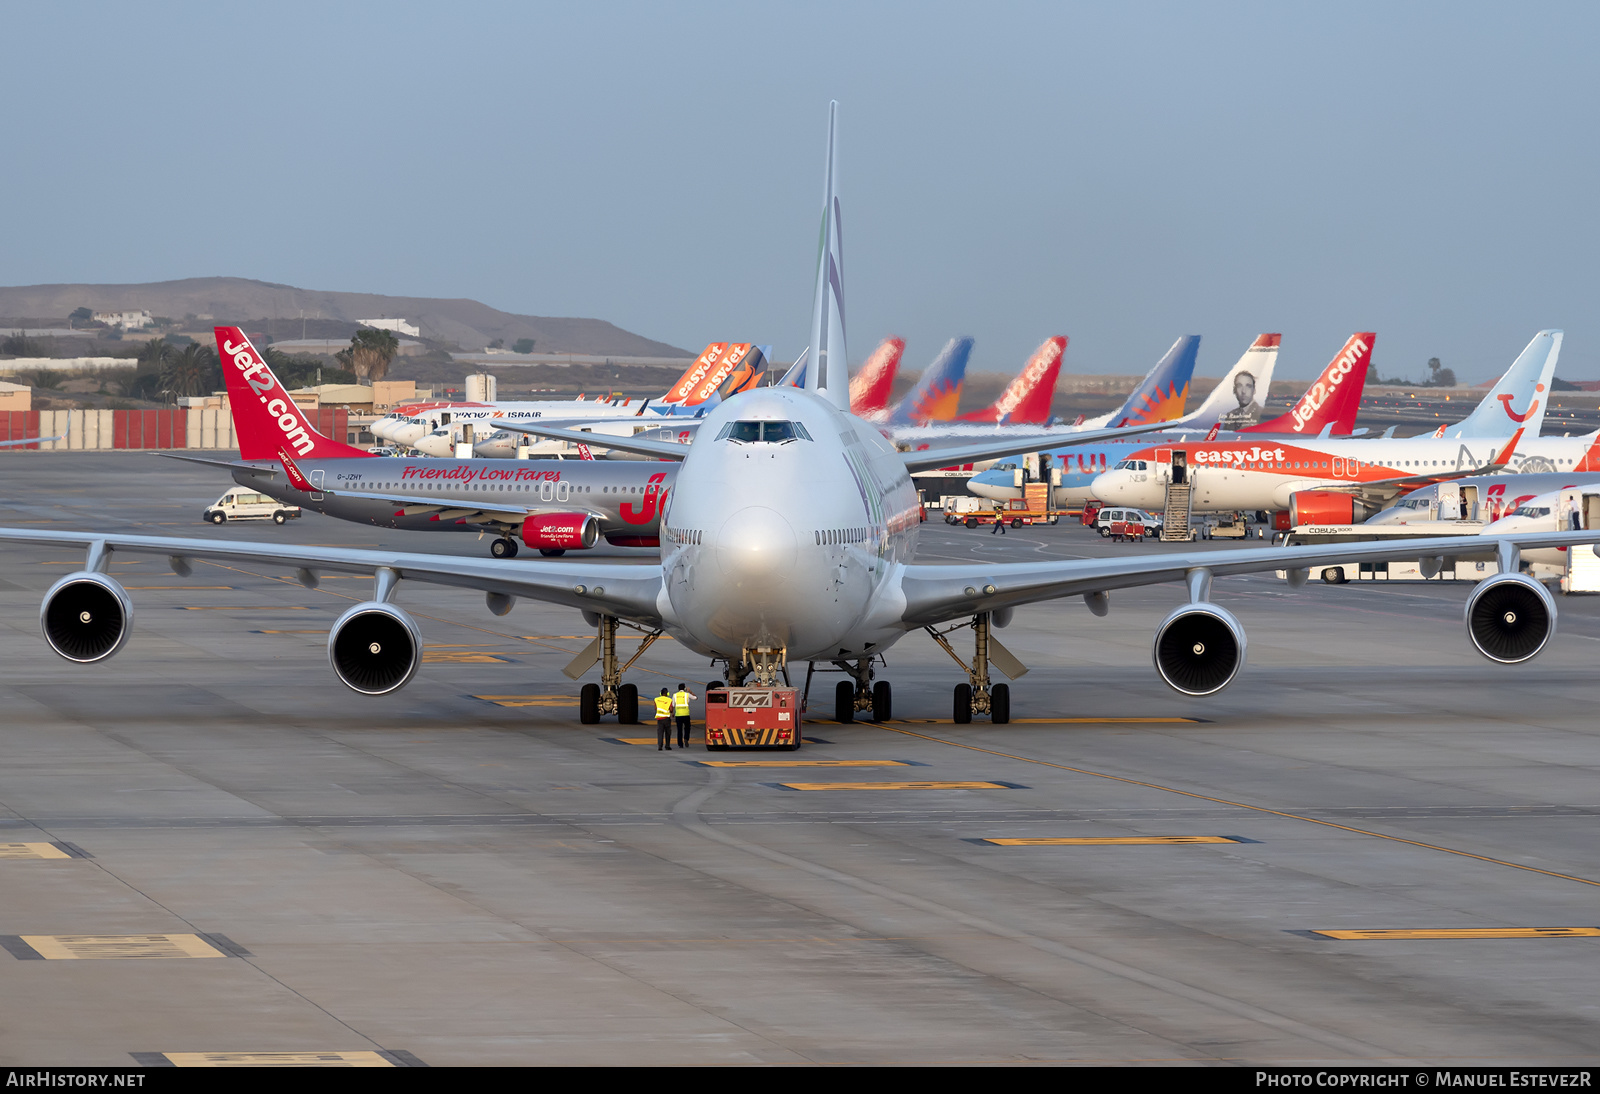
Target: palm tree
194	371
370	353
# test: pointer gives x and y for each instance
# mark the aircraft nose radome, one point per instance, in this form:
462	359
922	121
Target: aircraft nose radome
756	544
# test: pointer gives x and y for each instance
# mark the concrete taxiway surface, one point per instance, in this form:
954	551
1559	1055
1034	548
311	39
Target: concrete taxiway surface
463	874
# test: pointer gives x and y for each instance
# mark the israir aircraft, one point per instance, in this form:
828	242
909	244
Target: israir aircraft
790	537
1331	481
552	505
721	369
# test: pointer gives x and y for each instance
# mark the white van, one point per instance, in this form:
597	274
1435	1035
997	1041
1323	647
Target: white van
1151	521
243	503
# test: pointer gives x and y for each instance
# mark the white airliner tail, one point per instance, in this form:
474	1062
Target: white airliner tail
830	374
1527	382
1237	401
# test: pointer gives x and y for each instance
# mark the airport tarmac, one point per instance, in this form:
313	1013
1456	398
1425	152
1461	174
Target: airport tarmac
210	846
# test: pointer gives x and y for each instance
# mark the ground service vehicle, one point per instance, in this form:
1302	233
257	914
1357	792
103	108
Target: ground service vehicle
753	718
245	503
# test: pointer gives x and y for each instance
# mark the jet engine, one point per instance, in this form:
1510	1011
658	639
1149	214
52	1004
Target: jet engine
86	617
1327	507
561	531
1199	649
374	648
1510	617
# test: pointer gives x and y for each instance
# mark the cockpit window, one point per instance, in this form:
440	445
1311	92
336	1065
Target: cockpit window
1532	511
762	432
1131	465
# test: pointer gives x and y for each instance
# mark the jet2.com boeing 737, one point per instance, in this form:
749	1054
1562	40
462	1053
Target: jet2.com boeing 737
790	537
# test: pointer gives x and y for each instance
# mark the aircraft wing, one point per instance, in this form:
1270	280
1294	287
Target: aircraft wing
936	593
1000	445
628	591
665	450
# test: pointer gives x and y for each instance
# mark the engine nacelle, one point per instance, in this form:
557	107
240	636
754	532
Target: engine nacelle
1327	507
1510	617
561	531
1199	649
86	617
374	648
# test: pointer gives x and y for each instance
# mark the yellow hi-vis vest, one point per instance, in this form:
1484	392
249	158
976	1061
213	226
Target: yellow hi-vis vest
663	707
680	702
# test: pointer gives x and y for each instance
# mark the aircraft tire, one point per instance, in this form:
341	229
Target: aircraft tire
963	713
710	684
844	702
504	547
882	701
280	517
589	704
552	552
628	705
1000	704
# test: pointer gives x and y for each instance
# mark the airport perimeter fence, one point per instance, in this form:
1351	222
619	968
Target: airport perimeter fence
99	430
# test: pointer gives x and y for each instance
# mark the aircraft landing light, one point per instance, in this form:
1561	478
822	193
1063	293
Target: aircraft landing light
804	763
13	851
1107	841
99	947
1462	932
957	784
267	1059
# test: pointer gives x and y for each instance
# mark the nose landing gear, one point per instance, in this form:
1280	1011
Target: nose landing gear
978	696
610	695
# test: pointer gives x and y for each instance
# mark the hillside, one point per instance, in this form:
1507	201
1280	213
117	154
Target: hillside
466	324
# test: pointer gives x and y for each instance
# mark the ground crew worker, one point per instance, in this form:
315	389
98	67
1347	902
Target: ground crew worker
663	721
999	525
680	707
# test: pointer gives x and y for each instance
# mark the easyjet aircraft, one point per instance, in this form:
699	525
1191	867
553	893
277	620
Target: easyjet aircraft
1334	481
789	537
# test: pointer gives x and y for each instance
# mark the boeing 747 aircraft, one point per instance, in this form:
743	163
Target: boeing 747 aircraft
789	537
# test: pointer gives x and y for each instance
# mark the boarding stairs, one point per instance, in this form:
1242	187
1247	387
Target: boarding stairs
1175	518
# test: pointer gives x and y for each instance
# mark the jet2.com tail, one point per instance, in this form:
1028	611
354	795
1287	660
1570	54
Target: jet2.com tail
268	423
1333	399
1026	400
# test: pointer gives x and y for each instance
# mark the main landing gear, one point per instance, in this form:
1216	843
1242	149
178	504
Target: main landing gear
610	695
861	695
978	696
504	547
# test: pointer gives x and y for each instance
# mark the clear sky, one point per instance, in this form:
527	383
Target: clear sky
1119	173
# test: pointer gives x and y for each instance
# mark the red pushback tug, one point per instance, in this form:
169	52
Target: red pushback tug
752	718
